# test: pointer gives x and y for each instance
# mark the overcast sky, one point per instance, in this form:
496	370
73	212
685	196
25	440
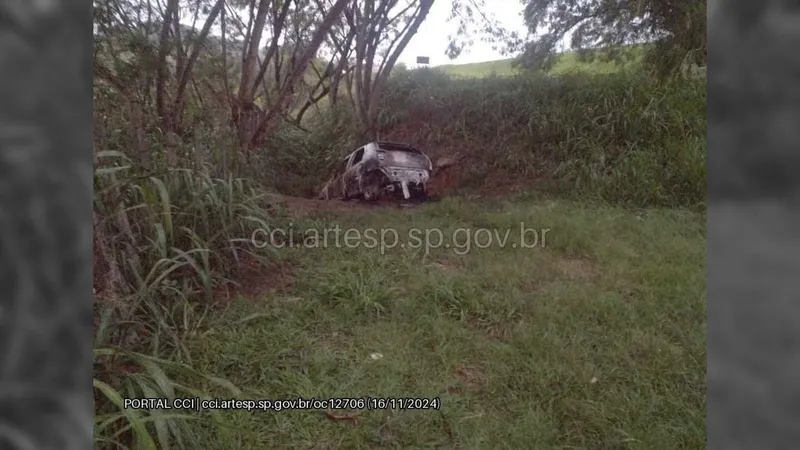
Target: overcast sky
431	38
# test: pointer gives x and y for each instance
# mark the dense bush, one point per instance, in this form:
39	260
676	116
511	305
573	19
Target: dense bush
299	162
621	137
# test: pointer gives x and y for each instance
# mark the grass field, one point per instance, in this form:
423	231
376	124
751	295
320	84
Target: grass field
567	62
594	339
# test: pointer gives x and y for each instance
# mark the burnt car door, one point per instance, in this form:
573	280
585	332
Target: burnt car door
351	176
334	188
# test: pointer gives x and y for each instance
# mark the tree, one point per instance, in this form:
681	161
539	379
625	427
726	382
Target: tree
383	29
676	28
253	123
338	47
170	114
141	48
475	20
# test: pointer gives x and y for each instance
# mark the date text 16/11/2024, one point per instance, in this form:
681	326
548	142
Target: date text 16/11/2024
360	403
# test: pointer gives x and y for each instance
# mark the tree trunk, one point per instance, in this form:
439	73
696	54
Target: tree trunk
139	138
243	106
344	53
369	88
383	76
269	119
186	69
162	103
313	100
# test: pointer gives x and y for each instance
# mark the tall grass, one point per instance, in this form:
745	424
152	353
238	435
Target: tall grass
623	138
164	243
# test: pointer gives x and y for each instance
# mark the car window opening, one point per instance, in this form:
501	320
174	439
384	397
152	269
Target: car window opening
358	156
405	159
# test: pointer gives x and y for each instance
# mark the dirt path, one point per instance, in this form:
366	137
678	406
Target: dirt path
254	279
305	206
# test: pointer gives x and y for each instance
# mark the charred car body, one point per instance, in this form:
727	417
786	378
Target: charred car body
378	169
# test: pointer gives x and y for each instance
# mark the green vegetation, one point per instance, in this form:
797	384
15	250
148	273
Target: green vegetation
594	339
163	246
566	63
621	138
598	339
675	32
500	68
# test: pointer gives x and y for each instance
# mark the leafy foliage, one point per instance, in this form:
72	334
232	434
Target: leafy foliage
475	20
677	30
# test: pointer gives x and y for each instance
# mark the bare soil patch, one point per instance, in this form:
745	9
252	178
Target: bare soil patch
469	376
577	269
309	206
254	279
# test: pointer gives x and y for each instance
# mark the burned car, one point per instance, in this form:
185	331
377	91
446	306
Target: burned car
379	169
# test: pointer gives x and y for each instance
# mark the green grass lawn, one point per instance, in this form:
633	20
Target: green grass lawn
595	339
567	62
500	67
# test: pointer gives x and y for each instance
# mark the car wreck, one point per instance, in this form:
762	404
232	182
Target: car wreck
380	169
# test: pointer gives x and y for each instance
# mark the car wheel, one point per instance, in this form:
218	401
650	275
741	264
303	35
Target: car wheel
371	193
371	186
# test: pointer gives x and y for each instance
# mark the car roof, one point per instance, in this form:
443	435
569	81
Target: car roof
396	146
387	146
